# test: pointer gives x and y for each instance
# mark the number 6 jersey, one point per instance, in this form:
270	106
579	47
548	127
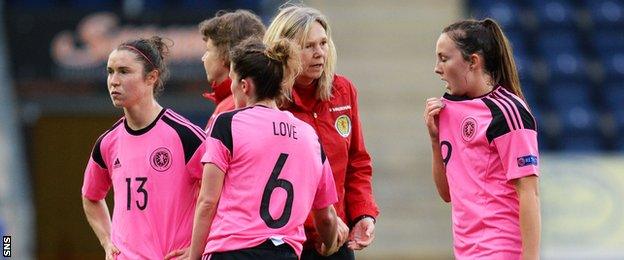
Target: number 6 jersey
275	173
155	173
486	142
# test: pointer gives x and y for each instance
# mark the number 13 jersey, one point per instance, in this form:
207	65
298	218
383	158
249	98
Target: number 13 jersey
486	142
275	173
155	173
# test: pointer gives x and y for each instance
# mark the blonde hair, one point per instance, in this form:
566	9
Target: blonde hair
294	22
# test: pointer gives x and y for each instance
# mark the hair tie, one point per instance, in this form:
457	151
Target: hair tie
140	52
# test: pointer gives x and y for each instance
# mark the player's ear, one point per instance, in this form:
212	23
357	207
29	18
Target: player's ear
246	86
475	61
152	77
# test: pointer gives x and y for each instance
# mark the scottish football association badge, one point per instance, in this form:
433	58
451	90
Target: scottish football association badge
161	159
343	125
468	128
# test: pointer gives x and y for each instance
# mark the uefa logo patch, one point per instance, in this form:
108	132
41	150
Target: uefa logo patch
468	128
161	159
343	125
527	160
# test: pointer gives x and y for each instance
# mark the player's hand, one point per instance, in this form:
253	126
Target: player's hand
433	106
327	251
343	233
178	254
111	251
362	234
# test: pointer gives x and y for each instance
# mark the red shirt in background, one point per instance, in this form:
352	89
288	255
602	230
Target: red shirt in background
337	123
222	97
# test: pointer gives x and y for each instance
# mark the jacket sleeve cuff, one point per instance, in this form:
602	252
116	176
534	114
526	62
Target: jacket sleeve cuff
361	210
356	220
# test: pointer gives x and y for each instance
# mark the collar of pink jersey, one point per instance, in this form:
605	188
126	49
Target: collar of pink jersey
219	91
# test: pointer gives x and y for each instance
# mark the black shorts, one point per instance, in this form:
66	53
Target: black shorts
344	253
266	250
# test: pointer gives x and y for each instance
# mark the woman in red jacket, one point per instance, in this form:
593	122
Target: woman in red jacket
328	102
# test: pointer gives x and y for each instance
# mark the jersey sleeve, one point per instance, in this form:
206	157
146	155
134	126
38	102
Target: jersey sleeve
326	189
518	153
218	145
97	179
194	165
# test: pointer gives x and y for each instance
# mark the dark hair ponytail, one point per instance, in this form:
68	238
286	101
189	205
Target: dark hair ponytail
273	68
486	37
151	53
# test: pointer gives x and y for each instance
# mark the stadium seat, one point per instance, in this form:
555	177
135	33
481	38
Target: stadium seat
518	41
566	66
558	40
605	41
579	121
504	12
606	13
613	97
524	66
553	14
613	65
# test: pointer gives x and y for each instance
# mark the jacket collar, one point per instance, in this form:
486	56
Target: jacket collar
219	91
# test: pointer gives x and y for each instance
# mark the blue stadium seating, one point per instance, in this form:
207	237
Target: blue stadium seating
604	41
613	97
613	65
559	48
551	14
606	13
566	66
504	12
579	121
558	40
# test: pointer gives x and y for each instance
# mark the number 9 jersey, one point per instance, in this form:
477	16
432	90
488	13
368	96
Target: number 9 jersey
487	142
155	173
275	173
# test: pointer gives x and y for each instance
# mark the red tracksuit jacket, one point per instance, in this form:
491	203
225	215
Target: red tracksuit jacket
221	95
337	123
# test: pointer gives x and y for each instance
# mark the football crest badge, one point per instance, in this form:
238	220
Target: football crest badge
161	159
343	125
468	128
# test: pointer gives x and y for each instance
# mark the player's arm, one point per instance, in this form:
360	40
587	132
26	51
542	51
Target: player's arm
439	171
530	222
433	106
99	219
209	194
326	222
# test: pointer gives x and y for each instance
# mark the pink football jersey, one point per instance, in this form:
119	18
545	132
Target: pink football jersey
275	173
155	173
487	142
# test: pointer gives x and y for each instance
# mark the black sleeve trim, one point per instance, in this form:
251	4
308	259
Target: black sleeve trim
498	126
528	121
96	154
512	115
190	140
222	128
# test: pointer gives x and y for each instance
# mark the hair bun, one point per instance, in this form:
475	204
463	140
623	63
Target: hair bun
161	44
281	50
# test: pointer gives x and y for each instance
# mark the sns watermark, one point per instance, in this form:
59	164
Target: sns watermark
6	246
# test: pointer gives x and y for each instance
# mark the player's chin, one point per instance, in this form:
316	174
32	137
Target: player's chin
314	73
118	103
